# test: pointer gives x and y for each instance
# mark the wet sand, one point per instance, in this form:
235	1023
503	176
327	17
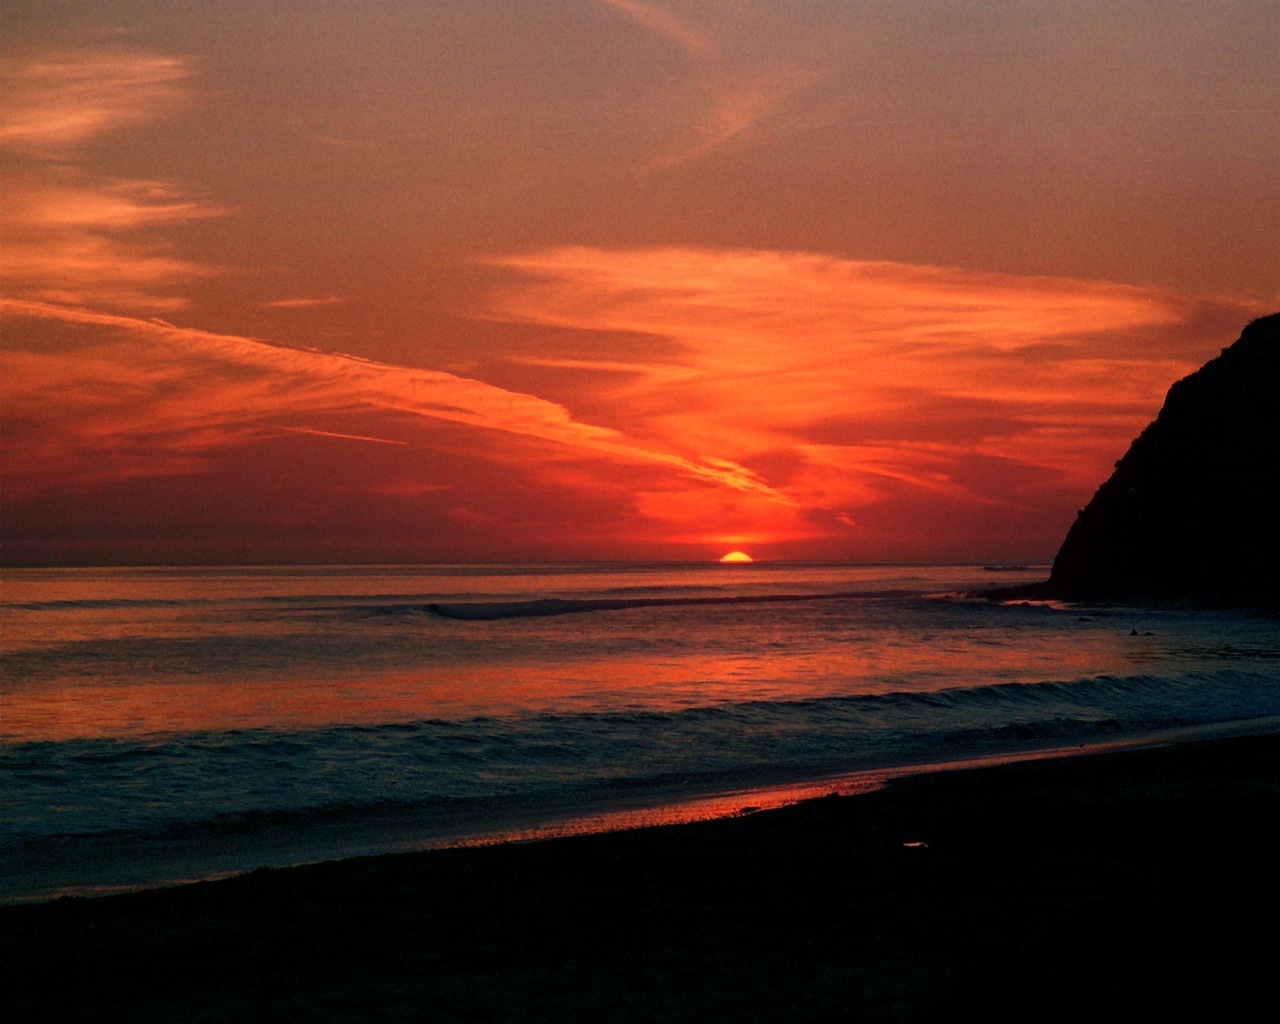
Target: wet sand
1133	882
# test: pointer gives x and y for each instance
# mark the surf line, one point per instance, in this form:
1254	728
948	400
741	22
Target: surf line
491	610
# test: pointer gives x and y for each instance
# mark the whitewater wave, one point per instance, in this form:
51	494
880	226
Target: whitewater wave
167	785
490	611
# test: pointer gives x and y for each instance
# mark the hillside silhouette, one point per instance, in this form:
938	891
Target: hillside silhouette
1190	514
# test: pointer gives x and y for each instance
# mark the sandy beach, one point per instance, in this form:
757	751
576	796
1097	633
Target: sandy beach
1116	883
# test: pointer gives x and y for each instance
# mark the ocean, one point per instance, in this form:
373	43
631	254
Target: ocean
167	724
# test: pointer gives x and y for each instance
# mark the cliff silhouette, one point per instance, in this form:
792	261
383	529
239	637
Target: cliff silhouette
1191	513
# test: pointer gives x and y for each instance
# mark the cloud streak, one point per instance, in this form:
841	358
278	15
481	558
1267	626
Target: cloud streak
193	391
877	378
737	95
60	101
665	24
328	300
72	237
342	437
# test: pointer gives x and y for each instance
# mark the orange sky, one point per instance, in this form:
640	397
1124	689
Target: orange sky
449	281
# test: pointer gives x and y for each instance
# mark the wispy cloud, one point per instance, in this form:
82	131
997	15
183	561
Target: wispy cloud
59	101
737	95
120	205
342	437
328	300
739	103
76	241
192	392
75	237
846	382
666	24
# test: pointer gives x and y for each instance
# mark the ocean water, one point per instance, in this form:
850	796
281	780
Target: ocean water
160	725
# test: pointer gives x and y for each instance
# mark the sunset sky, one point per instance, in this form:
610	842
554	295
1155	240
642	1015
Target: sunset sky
478	280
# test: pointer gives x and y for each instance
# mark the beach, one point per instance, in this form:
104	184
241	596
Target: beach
1125	882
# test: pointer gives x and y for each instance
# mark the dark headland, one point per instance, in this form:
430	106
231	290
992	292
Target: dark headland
1190	513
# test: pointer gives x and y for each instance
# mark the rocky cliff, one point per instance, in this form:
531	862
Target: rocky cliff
1192	512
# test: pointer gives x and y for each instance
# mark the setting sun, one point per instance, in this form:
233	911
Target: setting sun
739	557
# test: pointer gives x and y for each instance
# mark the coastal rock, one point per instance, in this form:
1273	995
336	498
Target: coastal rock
1190	514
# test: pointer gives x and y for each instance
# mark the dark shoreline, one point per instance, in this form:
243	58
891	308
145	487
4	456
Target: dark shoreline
1046	590
1131	881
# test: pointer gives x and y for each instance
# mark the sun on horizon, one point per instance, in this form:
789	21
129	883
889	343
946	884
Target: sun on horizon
736	557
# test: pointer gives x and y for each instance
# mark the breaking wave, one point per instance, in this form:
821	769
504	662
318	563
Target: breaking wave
231	780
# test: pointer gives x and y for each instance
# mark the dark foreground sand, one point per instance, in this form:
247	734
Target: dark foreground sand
1128	883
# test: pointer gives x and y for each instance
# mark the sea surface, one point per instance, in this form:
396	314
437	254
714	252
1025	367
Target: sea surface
161	725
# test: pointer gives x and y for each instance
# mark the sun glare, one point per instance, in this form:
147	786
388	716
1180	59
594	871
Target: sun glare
737	557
